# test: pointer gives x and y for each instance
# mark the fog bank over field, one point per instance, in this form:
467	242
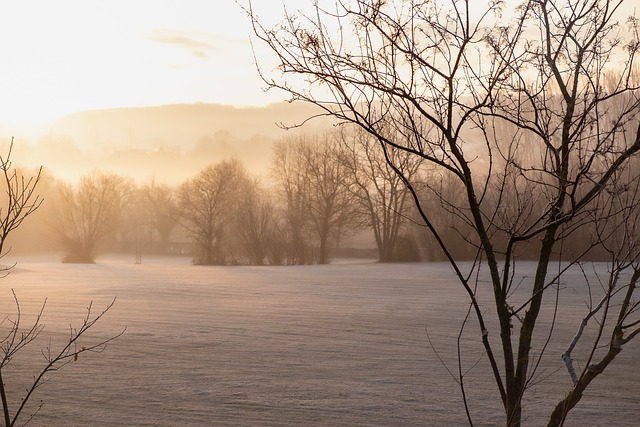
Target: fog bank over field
167	142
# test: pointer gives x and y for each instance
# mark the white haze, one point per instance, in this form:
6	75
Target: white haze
167	143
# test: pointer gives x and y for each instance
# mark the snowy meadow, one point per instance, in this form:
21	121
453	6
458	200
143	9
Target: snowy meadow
348	344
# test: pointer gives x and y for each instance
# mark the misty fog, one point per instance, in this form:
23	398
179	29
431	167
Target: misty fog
167	143
442	226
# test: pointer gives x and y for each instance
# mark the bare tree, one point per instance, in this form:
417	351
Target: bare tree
438	80
256	224
612	314
290	187
316	185
380	191
88	214
35	234
443	196
207	205
21	201
163	209
152	215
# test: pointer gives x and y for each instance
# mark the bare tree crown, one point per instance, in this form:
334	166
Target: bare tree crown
532	112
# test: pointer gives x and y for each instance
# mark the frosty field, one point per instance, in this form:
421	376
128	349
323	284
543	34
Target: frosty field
349	344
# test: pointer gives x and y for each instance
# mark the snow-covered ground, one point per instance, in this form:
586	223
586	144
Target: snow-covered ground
349	344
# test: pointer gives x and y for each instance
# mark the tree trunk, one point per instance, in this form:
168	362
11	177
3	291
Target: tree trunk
323	256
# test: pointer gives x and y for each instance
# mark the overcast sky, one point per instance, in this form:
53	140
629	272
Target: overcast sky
61	56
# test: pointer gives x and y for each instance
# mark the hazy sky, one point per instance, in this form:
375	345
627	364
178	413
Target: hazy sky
60	56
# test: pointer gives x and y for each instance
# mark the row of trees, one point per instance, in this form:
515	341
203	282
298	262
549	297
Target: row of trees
321	189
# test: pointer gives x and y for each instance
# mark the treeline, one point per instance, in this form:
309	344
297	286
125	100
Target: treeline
320	190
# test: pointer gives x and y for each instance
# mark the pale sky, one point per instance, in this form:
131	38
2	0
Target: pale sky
62	56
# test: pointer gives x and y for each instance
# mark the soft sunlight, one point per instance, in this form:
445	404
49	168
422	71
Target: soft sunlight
440	227
71	55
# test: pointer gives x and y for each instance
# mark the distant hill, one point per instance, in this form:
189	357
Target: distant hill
178	126
168	142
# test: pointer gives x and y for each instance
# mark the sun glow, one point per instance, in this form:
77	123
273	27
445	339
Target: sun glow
70	55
